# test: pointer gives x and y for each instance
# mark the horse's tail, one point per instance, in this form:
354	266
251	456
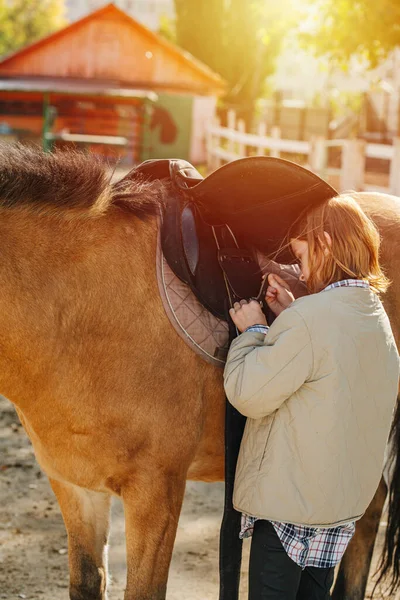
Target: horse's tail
389	566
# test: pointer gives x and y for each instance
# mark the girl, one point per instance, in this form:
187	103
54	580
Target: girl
318	388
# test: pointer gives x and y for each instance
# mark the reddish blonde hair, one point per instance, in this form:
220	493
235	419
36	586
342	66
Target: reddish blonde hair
354	251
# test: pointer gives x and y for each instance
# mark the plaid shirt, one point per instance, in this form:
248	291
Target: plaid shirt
321	547
361	283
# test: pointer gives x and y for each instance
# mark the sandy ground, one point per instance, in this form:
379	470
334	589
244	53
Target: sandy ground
33	556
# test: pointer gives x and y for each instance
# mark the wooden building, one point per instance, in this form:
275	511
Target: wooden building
107	76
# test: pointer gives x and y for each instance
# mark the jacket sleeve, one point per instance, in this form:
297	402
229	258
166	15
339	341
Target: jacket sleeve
262	371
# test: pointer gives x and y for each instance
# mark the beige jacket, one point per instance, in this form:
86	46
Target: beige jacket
319	391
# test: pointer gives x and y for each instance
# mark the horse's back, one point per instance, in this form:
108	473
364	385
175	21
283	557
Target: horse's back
380	207
384	210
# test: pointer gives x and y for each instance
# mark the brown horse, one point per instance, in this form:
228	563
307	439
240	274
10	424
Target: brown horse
112	399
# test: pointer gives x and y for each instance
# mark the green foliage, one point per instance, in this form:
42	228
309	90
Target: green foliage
239	39
369	29
25	21
167	29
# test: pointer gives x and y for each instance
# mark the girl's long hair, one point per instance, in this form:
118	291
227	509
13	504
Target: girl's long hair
354	248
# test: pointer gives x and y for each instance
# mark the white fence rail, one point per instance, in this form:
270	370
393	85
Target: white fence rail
225	144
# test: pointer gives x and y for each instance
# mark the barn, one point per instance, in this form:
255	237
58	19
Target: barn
109	84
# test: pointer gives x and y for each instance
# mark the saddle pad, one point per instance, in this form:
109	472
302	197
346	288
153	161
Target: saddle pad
205	334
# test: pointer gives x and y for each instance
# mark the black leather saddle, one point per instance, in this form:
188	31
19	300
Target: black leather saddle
212	225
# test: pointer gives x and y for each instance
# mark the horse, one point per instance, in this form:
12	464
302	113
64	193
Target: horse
112	399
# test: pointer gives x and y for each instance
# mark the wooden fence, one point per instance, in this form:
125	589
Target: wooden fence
225	144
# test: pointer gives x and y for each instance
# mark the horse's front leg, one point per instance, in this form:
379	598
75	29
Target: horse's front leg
152	504
353	574
86	516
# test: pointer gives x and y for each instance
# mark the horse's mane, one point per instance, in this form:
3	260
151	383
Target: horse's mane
69	181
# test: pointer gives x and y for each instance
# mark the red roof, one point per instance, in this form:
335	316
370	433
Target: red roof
108	45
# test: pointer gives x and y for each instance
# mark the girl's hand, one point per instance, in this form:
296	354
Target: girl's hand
278	296
245	314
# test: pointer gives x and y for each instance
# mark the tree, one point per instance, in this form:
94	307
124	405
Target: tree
25	21
365	28
239	39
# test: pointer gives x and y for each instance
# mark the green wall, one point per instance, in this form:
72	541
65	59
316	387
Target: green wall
167	128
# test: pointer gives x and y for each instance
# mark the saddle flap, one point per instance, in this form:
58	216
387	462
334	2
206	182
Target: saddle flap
242	271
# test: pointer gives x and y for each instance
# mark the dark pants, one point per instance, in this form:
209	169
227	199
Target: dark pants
275	576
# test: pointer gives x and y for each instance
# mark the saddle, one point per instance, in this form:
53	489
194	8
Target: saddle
212	227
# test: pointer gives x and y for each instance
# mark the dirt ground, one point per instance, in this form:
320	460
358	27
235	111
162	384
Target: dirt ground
33	542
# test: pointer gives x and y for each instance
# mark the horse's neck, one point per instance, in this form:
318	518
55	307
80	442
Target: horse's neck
61	283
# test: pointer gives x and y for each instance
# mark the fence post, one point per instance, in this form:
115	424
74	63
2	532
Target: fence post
261	132
210	144
241	125
353	165
231	124
317	158
215	160
395	168
275	135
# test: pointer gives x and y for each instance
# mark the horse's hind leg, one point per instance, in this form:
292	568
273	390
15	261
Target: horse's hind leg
152	504
86	516
352	578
